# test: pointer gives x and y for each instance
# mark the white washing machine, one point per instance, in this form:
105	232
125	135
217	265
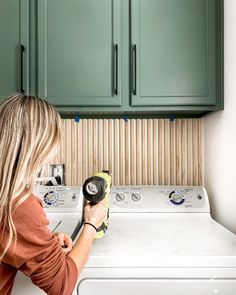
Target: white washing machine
63	207
161	240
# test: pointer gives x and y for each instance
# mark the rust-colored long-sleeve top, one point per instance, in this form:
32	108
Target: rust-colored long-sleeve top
37	254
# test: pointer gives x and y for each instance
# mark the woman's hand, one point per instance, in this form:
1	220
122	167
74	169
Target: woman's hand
65	242
95	214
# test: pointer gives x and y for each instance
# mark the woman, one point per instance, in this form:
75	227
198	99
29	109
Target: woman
30	134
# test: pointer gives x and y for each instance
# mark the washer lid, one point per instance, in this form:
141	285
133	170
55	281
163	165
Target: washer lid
164	240
68	223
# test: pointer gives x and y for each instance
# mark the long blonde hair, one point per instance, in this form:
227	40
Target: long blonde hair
30	133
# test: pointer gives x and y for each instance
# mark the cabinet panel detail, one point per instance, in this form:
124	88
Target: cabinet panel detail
14	33
175	48
79	52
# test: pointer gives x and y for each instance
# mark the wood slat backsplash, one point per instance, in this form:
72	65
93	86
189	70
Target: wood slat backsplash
139	151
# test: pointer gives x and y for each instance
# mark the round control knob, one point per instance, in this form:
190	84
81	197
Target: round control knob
176	198
120	197
51	198
136	197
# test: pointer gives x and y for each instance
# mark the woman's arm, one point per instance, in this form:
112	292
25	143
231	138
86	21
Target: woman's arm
94	215
80	251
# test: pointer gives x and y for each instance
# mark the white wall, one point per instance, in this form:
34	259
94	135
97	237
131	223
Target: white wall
220	135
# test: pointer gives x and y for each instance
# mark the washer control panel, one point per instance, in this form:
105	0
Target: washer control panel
60	197
159	199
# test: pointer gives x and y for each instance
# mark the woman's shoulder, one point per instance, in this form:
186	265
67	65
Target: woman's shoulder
31	197
34	199
28	208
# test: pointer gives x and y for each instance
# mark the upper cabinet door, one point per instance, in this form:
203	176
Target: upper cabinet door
14	50
173	52
79	52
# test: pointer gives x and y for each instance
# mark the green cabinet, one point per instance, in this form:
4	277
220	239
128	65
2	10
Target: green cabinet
79	45
115	57
136	57
14	50
173	52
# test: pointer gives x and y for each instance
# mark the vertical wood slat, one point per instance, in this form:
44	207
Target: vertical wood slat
184	152
160	152
90	146
122	151
201	152
67	145
144	151
137	151
178	151
127	153
105	145
100	146
74	152
84	149
94	156
116	152
155	152
173	151
80	157
133	151
195	152
111	147
189	152
166	152
150	152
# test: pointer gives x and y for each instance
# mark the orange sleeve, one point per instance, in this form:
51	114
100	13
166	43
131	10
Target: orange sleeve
38	253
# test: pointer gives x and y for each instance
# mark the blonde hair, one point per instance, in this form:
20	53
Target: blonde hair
30	133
